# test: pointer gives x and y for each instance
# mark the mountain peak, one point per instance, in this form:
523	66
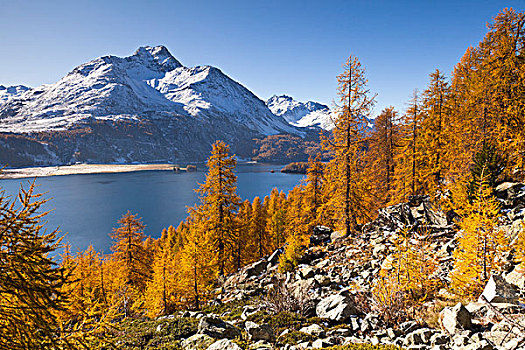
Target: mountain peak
299	113
159	54
280	97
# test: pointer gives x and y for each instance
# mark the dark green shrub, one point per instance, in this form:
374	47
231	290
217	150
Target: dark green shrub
487	167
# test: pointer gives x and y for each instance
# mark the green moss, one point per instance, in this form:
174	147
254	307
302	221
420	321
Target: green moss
279	322
142	333
295	337
340	326
317	320
179	327
243	344
365	347
233	310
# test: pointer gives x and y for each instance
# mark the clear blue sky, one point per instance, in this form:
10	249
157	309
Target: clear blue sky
272	47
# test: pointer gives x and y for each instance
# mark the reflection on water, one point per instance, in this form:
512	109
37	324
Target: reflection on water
107	182
87	207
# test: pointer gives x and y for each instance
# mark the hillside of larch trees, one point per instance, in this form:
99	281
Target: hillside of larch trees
459	138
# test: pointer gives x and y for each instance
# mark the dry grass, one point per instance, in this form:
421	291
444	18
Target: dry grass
284	297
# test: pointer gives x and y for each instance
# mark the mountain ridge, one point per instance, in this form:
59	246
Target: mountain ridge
141	108
301	114
150	80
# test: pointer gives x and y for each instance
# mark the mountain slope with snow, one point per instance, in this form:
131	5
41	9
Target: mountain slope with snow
301	114
144	107
7	93
149	82
307	114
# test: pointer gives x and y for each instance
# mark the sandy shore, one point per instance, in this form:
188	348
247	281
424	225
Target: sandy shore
79	169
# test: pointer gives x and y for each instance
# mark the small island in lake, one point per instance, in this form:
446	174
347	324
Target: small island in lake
295	168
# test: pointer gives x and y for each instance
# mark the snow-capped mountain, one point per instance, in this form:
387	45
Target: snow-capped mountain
149	82
301	114
307	114
144	107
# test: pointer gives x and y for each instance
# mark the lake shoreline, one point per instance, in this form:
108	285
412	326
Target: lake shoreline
88	207
81	169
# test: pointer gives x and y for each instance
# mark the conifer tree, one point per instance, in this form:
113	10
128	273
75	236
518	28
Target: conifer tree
380	155
502	50
415	266
297	213
481	243
488	166
470	113
520	247
297	228
88	314
244	246
132	261
349	190
175	236
31	283
86	287
197	269
434	136
296	243
313	189
275	220
258	229
162	290
489	85
408	155
219	203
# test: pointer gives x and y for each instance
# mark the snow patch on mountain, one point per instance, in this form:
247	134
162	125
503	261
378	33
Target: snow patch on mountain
9	92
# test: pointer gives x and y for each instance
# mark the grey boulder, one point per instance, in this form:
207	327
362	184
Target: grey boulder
217	328
224	344
259	332
337	308
455	319
497	290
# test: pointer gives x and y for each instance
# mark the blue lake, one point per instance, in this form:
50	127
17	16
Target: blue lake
87	207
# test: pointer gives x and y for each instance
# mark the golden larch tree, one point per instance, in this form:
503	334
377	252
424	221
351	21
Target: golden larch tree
218	206
313	190
163	290
275	219
436	113
31	283
198	266
481	244
348	187
408	153
258	229
380	155
297	228
244	249
132	262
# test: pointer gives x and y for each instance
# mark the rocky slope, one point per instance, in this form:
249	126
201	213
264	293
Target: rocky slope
145	107
324	302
